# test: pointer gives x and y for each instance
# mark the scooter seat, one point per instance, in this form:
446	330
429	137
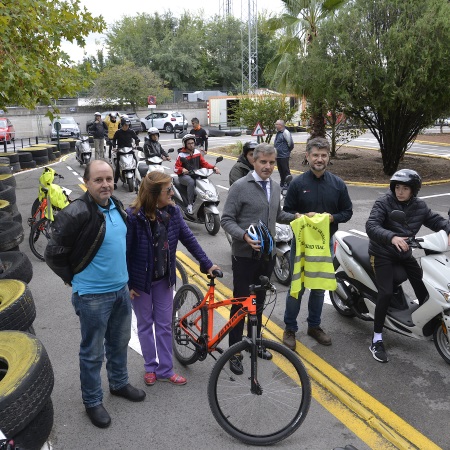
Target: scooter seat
142	170
360	251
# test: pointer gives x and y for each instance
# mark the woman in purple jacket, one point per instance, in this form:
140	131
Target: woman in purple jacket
155	226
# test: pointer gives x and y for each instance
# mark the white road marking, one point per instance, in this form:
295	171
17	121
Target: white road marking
223	187
437	195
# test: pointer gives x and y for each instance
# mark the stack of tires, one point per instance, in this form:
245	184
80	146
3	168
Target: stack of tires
26	375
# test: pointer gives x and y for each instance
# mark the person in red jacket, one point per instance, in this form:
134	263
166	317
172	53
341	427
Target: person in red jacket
190	159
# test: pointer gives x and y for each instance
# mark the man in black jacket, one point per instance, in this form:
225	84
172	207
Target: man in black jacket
99	130
388	248
314	192
201	136
88	251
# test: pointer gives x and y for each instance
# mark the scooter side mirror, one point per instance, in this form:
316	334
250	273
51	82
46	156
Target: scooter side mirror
398	216
171	150
220	158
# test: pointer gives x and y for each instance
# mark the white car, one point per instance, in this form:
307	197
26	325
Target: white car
69	128
164	120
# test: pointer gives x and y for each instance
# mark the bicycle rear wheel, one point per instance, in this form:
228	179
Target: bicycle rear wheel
275	412
39	237
186	299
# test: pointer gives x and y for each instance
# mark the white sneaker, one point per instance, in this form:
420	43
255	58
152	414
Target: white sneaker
189	209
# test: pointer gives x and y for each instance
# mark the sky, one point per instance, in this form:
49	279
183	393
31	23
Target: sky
113	10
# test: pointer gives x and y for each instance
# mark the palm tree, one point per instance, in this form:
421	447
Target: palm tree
300	22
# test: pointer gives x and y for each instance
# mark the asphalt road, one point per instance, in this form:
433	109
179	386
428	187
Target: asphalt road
413	386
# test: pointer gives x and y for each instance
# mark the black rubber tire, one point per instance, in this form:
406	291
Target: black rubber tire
28	164
17	266
16	167
41	160
17	217
12	157
51	156
6	170
5	205
24	156
338	302
168	128
11	234
57	154
36	433
282	269
267	417
143	127
8	179
39	237
64	145
442	342
233	133
130	183
27	382
5	216
17	308
187	297
212	223
38	152
4	160
181	272
8	193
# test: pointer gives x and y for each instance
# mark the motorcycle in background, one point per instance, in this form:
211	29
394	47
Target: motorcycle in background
145	166
127	166
83	151
204	208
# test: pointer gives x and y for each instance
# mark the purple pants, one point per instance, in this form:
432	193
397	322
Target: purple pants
155	308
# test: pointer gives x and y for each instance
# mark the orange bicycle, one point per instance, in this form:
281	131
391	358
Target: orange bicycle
269	399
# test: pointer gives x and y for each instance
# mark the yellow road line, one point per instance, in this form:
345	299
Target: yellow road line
366	417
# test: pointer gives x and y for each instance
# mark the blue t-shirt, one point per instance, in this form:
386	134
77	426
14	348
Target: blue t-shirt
107	272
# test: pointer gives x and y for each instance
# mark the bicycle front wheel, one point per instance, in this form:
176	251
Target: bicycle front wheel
181	272
185	333
39	236
280	404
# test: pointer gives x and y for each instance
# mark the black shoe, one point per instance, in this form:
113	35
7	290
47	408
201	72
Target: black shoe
378	352
236	365
99	416
115	186
130	393
264	354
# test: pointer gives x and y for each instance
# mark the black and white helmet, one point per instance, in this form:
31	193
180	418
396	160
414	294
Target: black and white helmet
260	232
407	177
153	130
125	121
188	137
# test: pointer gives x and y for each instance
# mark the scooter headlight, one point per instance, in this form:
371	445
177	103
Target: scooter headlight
445	294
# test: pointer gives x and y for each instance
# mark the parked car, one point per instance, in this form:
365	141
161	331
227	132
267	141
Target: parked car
69	128
7	132
134	118
164	120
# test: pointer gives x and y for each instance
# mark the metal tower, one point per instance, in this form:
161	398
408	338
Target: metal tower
249	35
226	8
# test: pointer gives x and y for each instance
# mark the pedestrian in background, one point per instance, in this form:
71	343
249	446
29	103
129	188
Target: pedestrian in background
98	130
112	122
201	136
284	145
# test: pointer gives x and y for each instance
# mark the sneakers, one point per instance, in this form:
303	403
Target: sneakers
189	209
178	380
236	365
378	352
289	339
150	378
319	335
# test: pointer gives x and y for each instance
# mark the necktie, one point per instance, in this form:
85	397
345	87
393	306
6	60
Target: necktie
264	186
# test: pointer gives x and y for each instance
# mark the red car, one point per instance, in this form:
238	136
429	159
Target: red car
7	132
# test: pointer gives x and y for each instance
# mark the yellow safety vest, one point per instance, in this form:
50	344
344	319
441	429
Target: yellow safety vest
57	196
313	264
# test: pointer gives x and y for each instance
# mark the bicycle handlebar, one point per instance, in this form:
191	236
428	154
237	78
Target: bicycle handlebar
265	285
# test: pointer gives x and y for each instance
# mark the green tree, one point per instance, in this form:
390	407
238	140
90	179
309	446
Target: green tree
300	23
120	85
265	109
389	62
34	68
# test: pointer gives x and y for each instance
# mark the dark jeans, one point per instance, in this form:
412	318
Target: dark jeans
247	271
283	169
384	274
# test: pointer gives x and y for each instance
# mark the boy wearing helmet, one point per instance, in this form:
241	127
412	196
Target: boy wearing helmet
152	147
244	164
190	159
388	247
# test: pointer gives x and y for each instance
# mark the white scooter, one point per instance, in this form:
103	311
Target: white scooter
145	166
127	164
83	151
356	291
204	208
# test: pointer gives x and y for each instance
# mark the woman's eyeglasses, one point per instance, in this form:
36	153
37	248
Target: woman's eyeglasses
169	189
